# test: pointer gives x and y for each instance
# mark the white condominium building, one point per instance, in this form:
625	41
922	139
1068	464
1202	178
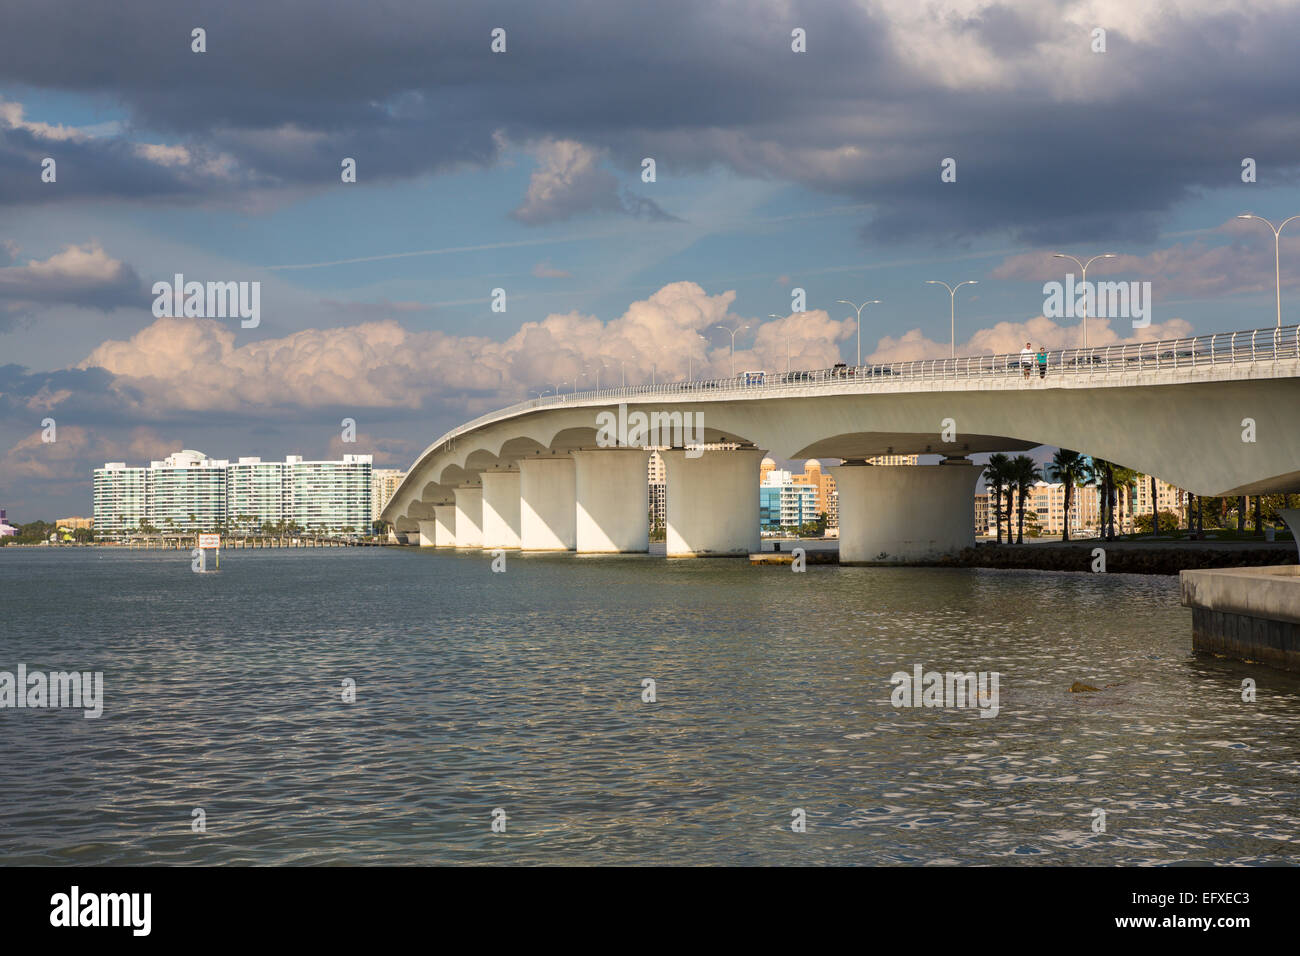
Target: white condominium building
189	491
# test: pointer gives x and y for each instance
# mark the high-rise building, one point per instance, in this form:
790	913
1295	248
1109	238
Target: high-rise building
824	483
329	495
120	498
893	460
188	491
784	503
657	491
383	485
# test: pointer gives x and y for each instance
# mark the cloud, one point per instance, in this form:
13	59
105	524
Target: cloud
176	367
1053	142
77	450
569	181
1184	270
1009	337
84	276
544	270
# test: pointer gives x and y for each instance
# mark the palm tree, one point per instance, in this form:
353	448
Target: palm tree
1071	469
1023	475
996	473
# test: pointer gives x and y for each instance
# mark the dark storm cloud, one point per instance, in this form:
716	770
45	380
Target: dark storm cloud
1050	138
83	276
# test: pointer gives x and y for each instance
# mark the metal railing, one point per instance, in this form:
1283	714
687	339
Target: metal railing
1220	348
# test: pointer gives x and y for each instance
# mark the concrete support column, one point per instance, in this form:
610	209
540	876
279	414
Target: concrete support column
444	520
712	502
428	533
469	516
500	510
892	513
547	513
612	493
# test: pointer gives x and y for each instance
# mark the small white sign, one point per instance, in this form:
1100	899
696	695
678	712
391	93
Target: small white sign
209	541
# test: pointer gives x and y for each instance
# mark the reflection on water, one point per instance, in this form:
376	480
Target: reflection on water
523	691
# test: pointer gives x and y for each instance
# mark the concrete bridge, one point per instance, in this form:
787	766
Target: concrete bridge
1214	414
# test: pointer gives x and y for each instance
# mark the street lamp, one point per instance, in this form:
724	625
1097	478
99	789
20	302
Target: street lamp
1277	256
773	315
690	358
952	306
1083	266
859	308
733	345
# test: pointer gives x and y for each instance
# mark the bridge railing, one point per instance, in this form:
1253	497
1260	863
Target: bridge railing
1221	348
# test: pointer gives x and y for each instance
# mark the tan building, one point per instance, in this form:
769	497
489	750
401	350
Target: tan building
812	475
1046	501
894	460
72	524
658	491
383	483
1168	498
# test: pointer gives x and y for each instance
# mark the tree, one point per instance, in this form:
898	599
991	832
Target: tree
995	478
1023	475
1071	469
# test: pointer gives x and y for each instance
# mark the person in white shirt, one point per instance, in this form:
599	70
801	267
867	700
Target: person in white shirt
1027	359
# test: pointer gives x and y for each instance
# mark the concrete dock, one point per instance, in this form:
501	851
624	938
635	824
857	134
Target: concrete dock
1246	613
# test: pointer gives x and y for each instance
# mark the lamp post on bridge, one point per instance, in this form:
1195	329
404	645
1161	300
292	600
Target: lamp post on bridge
1277	256
773	315
859	309
733	344
1083	266
952	307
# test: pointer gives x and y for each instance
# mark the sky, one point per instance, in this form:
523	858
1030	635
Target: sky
776	172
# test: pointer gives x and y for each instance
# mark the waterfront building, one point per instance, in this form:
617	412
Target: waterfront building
1046	504
1168	498
823	483
74	524
657	491
120	496
6	529
383	484
784	503
983	515
329	495
188	491
893	460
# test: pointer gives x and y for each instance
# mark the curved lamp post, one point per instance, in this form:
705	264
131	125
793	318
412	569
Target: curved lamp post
1277	256
733	344
859	308
1083	266
952	307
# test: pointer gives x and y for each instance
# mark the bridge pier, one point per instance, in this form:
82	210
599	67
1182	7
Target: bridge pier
428	533
611	491
444	519
547	515
500	510
896	513
469	516
712	502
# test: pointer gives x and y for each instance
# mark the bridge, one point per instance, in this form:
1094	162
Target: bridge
1213	414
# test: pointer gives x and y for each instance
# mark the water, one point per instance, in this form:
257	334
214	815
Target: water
523	691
